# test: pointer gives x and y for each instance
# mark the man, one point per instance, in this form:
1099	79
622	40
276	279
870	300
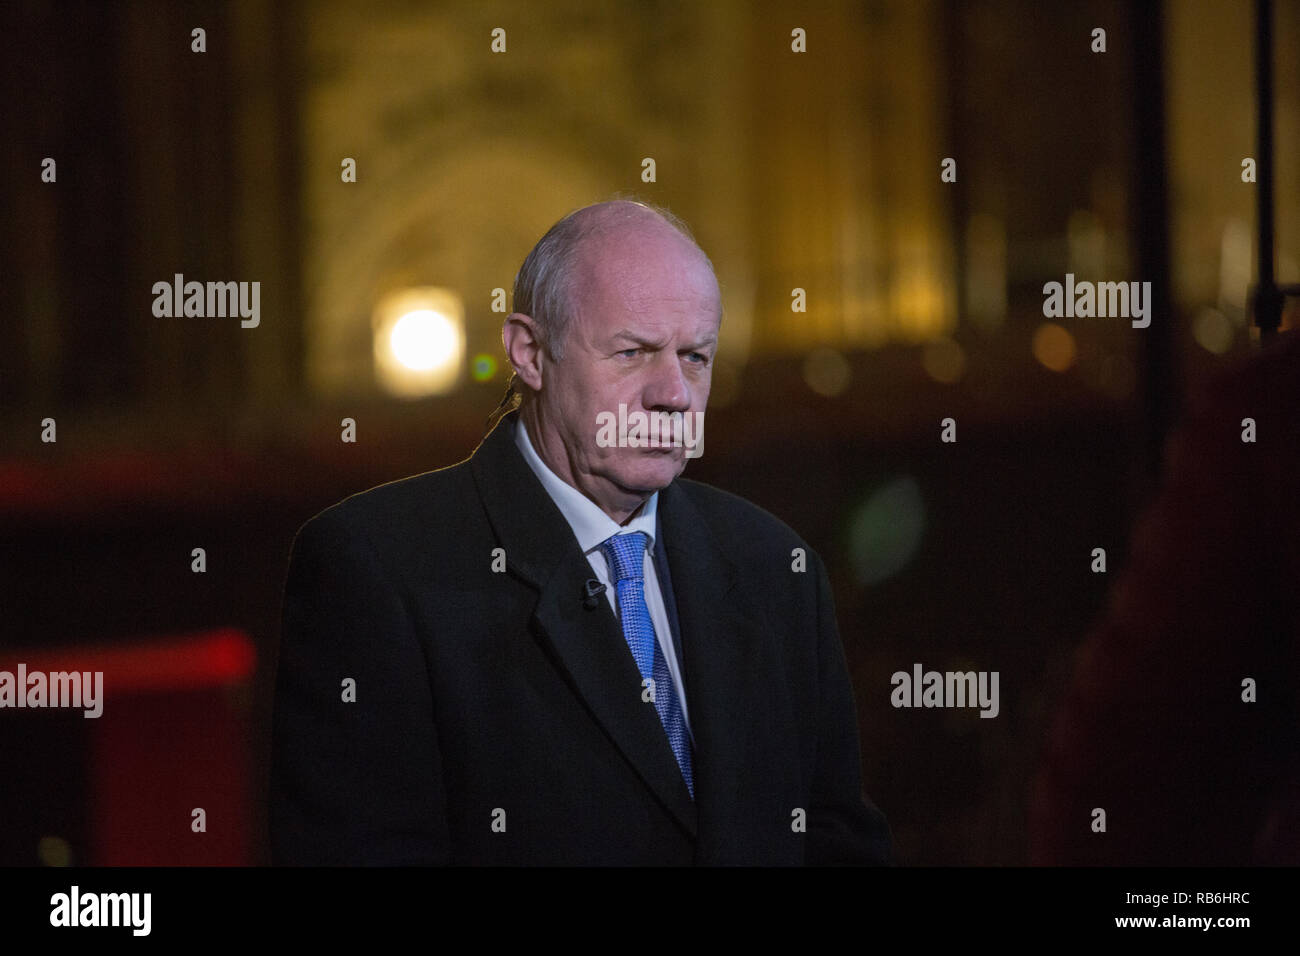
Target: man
557	651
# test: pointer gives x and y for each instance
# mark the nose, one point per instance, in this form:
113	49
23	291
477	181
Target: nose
667	388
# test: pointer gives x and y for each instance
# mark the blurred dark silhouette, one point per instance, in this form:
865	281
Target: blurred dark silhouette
1156	729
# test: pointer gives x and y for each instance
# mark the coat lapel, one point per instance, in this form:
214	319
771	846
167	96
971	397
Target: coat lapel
587	644
740	712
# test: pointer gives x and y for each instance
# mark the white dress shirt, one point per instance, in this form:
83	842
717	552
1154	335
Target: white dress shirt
591	526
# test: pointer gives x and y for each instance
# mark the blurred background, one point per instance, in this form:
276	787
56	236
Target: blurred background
817	170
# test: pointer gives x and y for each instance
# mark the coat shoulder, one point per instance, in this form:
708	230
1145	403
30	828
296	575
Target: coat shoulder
738	522
422	505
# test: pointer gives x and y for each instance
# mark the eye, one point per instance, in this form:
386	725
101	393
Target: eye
702	358
630	353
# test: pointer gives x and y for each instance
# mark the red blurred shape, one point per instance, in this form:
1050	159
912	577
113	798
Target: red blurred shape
207	659
173	737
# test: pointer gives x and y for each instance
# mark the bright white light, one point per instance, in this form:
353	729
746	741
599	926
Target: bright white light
419	341
423	340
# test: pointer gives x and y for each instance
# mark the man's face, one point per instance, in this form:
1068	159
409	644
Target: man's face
644	335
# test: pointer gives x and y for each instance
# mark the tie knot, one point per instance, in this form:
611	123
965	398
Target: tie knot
626	555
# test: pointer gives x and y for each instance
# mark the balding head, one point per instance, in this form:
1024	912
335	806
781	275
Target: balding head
616	306
548	287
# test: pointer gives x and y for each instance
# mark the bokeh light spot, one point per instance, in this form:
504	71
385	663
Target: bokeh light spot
885	531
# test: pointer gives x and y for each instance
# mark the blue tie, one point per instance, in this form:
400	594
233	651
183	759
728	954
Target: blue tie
626	555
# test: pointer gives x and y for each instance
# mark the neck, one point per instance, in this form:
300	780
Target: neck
621	505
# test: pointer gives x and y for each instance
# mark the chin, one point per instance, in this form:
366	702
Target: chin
650	475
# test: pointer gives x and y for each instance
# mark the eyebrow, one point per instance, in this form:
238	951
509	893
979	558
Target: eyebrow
640	340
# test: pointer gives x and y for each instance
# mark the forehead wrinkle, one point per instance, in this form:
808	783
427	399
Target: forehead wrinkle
643	286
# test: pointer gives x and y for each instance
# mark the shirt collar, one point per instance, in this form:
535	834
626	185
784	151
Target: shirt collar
590	524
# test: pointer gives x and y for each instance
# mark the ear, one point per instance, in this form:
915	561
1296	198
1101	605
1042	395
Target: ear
523	348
